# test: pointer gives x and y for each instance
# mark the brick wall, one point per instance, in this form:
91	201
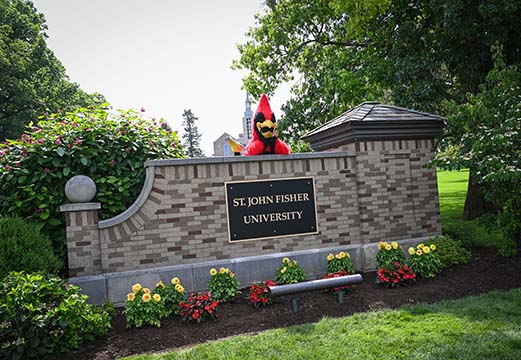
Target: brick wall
365	193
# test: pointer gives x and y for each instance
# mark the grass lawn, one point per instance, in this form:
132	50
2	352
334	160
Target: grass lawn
452	189
483	327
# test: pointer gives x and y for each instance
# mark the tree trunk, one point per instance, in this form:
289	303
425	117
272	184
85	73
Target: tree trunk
475	203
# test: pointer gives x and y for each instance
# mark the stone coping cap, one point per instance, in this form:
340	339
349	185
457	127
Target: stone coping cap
80	207
238	159
372	121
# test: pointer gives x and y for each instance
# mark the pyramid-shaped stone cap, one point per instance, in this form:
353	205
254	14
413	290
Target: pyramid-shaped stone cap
375	121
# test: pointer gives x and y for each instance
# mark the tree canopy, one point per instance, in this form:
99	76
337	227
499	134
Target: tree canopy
32	79
339	53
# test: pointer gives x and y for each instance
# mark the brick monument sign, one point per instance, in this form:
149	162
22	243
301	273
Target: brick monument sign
367	182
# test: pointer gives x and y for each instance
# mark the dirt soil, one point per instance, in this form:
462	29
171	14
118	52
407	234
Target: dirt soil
486	272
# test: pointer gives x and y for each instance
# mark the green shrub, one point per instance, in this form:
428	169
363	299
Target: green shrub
289	272
340	262
41	314
388	254
424	260
24	248
144	307
110	148
482	232
450	252
223	285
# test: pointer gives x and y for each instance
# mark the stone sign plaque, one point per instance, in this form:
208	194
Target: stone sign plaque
270	208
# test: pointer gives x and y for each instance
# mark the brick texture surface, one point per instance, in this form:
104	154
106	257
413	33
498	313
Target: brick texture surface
380	192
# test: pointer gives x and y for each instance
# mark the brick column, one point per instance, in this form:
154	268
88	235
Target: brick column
83	241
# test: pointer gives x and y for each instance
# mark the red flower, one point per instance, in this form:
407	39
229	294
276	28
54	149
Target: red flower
195	315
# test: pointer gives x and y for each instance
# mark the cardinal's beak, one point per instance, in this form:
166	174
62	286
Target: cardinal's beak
267	128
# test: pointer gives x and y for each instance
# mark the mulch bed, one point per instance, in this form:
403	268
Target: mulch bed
486	272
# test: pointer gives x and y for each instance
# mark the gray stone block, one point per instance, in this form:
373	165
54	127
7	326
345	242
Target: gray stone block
95	287
201	272
183	272
252	270
120	284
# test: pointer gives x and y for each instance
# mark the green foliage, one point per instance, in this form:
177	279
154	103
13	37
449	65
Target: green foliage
450	252
388	254
24	248
478	327
340	262
144	307
171	295
191	135
289	272
110	148
42	314
223	285
424	260
485	134
33	79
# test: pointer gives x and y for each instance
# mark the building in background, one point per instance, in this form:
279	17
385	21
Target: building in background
221	147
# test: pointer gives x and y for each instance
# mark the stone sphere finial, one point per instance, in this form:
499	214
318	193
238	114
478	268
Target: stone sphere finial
80	189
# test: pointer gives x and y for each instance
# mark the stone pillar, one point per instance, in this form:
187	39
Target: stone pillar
81	219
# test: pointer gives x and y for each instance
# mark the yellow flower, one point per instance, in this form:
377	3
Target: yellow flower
179	288
388	247
136	288
295	262
283	270
433	247
426	249
330	257
419	246
213	271
146	297
411	251
146	290
338	256
232	274
418	252
157	297
342	254
394	244
131	296
175	281
380	245
222	270
285	260
348	256
160	285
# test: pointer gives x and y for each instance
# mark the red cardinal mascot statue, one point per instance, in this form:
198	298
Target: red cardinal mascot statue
264	135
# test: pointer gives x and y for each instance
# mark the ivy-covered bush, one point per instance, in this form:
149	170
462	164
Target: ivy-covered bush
41	314
110	148
24	247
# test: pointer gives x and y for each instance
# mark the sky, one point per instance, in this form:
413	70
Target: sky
162	55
